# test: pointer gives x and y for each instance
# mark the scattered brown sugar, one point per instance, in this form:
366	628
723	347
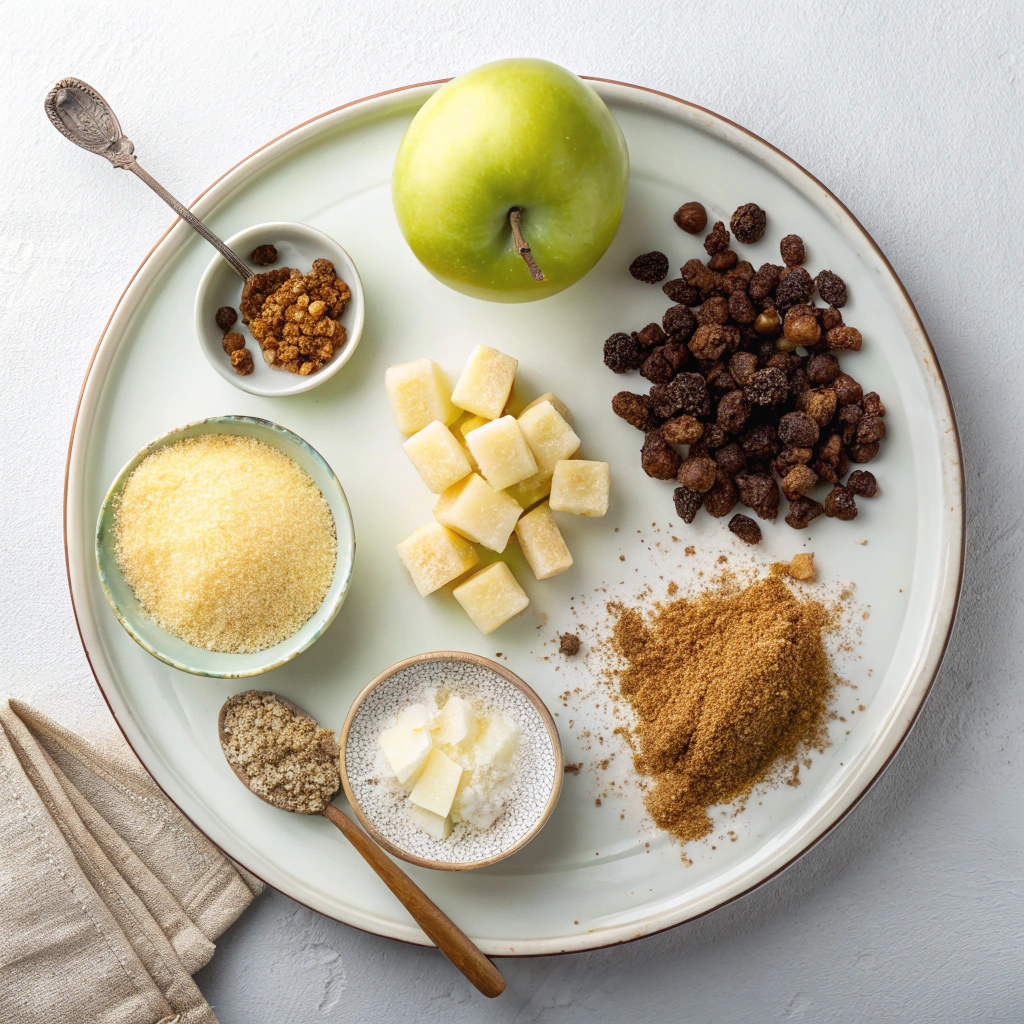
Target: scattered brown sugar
287	758
729	687
569	644
573	768
294	316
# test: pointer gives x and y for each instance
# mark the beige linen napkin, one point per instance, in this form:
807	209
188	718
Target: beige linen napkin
110	899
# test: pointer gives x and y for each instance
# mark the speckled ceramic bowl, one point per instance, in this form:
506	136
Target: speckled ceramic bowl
171	649
380	805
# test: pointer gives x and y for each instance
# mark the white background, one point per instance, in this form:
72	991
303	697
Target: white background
911	112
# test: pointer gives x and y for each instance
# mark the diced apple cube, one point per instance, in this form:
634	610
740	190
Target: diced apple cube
529	491
542	543
560	407
471	423
486	382
438	457
455	723
418	394
497	742
502	453
431	823
476	511
435	556
406	750
491	597
550	438
580	487
463	425
436	786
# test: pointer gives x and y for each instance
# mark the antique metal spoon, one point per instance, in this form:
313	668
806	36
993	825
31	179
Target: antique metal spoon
82	115
440	928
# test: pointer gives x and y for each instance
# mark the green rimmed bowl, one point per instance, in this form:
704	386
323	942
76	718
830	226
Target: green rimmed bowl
197	660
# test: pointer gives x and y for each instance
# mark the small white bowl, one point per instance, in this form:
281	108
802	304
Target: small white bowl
380	805
297	246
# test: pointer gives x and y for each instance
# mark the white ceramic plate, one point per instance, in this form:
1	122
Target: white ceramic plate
589	879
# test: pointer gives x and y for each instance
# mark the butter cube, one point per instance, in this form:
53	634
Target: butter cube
542	543
491	597
529	491
502	453
438	457
476	511
418	394
406	750
550	438
560	406
431	823
415	716
455	723
580	487
486	382
436	786
435	556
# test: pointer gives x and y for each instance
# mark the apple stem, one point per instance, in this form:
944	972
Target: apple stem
522	246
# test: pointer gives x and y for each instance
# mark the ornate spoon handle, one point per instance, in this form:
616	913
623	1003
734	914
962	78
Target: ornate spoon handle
84	117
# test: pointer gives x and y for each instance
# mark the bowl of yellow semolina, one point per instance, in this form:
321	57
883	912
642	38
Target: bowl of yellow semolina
225	547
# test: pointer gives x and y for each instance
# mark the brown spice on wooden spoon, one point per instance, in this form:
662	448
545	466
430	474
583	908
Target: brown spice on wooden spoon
281	754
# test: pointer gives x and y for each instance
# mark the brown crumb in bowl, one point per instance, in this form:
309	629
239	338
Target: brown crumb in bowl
241	362
294	316
232	342
264	255
226	317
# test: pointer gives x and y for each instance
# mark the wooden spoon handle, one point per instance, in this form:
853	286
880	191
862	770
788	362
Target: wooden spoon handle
440	928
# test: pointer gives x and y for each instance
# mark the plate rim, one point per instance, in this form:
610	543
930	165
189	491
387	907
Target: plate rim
948	592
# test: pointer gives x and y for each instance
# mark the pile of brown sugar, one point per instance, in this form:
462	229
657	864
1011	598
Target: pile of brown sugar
294	316
288	759
727	687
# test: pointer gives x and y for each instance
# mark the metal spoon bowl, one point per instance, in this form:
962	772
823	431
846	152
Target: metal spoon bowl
439	928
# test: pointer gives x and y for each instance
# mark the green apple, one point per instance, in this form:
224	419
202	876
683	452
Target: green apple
516	135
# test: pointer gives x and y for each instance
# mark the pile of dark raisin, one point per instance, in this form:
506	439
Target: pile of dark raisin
728	381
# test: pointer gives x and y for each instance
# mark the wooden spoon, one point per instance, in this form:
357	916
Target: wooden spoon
439	928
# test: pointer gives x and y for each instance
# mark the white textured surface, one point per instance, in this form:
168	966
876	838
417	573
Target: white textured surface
912	908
